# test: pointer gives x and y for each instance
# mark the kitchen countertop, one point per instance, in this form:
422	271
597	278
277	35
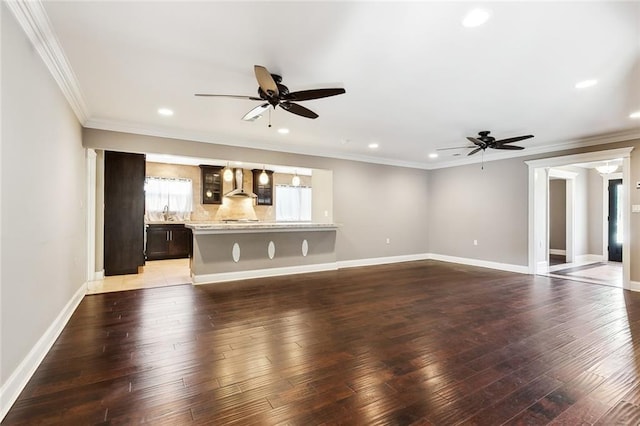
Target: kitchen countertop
247	227
165	222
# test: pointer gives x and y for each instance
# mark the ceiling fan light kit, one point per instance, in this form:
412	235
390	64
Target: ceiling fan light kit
273	93
484	141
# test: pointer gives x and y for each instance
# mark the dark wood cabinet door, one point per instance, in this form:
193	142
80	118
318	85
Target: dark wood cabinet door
264	191
170	241
180	242
157	242
211	184
124	175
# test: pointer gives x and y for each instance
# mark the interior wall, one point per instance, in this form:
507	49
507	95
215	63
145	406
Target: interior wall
371	202
557	214
99	211
581	211
595	212
43	196
468	203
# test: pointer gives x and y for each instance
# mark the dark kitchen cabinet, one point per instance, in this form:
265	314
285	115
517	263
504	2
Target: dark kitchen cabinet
211	184
124	175
263	191
168	241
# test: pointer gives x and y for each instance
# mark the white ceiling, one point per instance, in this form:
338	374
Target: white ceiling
415	78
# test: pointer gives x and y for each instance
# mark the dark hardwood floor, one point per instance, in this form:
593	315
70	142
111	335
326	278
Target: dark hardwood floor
412	343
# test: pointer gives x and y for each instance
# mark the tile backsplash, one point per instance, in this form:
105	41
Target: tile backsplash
209	212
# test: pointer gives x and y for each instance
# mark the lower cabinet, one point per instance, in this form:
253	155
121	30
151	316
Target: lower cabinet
168	242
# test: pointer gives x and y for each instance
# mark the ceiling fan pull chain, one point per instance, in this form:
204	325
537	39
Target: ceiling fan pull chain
270	117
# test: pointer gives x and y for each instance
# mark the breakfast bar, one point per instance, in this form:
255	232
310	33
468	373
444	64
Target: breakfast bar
227	251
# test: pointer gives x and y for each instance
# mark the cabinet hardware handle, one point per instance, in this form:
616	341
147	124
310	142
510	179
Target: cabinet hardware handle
167	235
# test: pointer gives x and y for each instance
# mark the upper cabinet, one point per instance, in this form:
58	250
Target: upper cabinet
211	184
263	191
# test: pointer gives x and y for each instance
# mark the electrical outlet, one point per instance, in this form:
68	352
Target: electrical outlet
475	242
388	241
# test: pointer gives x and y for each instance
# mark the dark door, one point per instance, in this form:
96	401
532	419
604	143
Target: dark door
615	220
123	212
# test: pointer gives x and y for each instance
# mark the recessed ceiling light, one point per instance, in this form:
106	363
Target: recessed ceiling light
165	111
433	155
373	146
475	18
635	114
283	131
586	83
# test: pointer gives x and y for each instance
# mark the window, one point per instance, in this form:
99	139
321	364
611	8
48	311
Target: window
168	195
293	203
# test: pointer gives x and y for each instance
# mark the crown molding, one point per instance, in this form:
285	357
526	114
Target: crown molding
137	129
602	139
34	21
118	126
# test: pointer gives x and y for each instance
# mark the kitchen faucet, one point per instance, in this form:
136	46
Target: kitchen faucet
165	212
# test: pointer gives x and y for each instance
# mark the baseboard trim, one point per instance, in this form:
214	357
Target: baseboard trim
634	286
588	258
18	380
98	275
482	263
262	273
382	260
558	252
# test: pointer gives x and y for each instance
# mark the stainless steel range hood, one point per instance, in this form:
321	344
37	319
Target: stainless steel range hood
238	186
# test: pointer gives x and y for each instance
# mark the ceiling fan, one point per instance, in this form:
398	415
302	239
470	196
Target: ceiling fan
273	93
484	141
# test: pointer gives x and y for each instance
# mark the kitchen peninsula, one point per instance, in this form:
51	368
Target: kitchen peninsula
226	251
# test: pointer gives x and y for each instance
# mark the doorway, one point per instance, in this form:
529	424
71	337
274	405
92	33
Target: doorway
615	227
539	174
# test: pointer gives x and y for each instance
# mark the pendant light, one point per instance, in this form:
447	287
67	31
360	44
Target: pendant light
264	177
607	168
228	174
295	181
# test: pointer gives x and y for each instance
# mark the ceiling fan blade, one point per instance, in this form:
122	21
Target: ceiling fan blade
255	113
456	147
515	139
298	110
253	98
265	81
307	95
475	141
474	151
511	147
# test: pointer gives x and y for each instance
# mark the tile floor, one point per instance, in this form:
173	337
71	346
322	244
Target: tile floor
155	273
604	273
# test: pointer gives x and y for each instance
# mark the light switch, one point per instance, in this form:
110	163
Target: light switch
635	208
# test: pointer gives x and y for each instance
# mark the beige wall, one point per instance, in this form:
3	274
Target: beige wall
371	202
596	203
492	205
468	203
43	197
557	214
439	211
